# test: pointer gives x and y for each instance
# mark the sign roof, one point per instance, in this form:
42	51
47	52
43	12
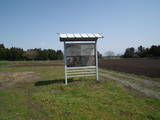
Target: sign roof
80	36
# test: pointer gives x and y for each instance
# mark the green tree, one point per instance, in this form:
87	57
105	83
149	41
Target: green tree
142	52
129	53
30	54
59	55
154	51
2	52
52	55
15	54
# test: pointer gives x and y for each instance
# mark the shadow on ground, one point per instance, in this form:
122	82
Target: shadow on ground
48	82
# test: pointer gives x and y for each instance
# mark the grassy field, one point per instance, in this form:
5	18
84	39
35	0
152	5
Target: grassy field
37	92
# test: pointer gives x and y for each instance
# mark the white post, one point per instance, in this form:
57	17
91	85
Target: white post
65	64
96	61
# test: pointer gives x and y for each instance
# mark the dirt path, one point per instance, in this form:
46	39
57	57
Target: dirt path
144	81
124	80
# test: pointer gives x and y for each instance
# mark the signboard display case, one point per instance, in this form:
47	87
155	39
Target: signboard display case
80	55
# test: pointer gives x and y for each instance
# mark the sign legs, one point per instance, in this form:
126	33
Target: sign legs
65	64
97	77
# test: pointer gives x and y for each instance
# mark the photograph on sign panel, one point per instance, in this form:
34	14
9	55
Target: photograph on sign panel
79	54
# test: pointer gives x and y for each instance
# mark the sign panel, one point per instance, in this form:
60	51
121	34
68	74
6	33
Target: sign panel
80	54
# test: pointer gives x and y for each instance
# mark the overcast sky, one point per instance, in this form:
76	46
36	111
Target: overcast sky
124	23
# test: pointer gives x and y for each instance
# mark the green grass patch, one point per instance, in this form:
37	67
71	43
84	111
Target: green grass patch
49	98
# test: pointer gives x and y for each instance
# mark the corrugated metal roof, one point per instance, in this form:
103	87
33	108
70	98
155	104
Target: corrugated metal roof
82	35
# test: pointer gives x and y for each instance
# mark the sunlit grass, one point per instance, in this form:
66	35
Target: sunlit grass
81	99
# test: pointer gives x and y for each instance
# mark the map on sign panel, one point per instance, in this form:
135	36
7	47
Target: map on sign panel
79	54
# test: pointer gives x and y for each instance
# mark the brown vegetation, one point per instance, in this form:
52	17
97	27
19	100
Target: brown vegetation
147	67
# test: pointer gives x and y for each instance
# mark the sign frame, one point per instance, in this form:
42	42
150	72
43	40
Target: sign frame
81	57
83	71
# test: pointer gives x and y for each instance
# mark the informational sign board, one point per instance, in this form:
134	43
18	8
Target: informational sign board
80	54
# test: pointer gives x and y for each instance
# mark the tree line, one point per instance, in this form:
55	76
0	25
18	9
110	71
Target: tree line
14	53
141	52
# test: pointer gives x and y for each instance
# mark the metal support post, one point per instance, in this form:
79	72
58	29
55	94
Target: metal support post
96	52
65	64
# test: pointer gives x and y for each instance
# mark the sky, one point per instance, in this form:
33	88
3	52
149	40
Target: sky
124	23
